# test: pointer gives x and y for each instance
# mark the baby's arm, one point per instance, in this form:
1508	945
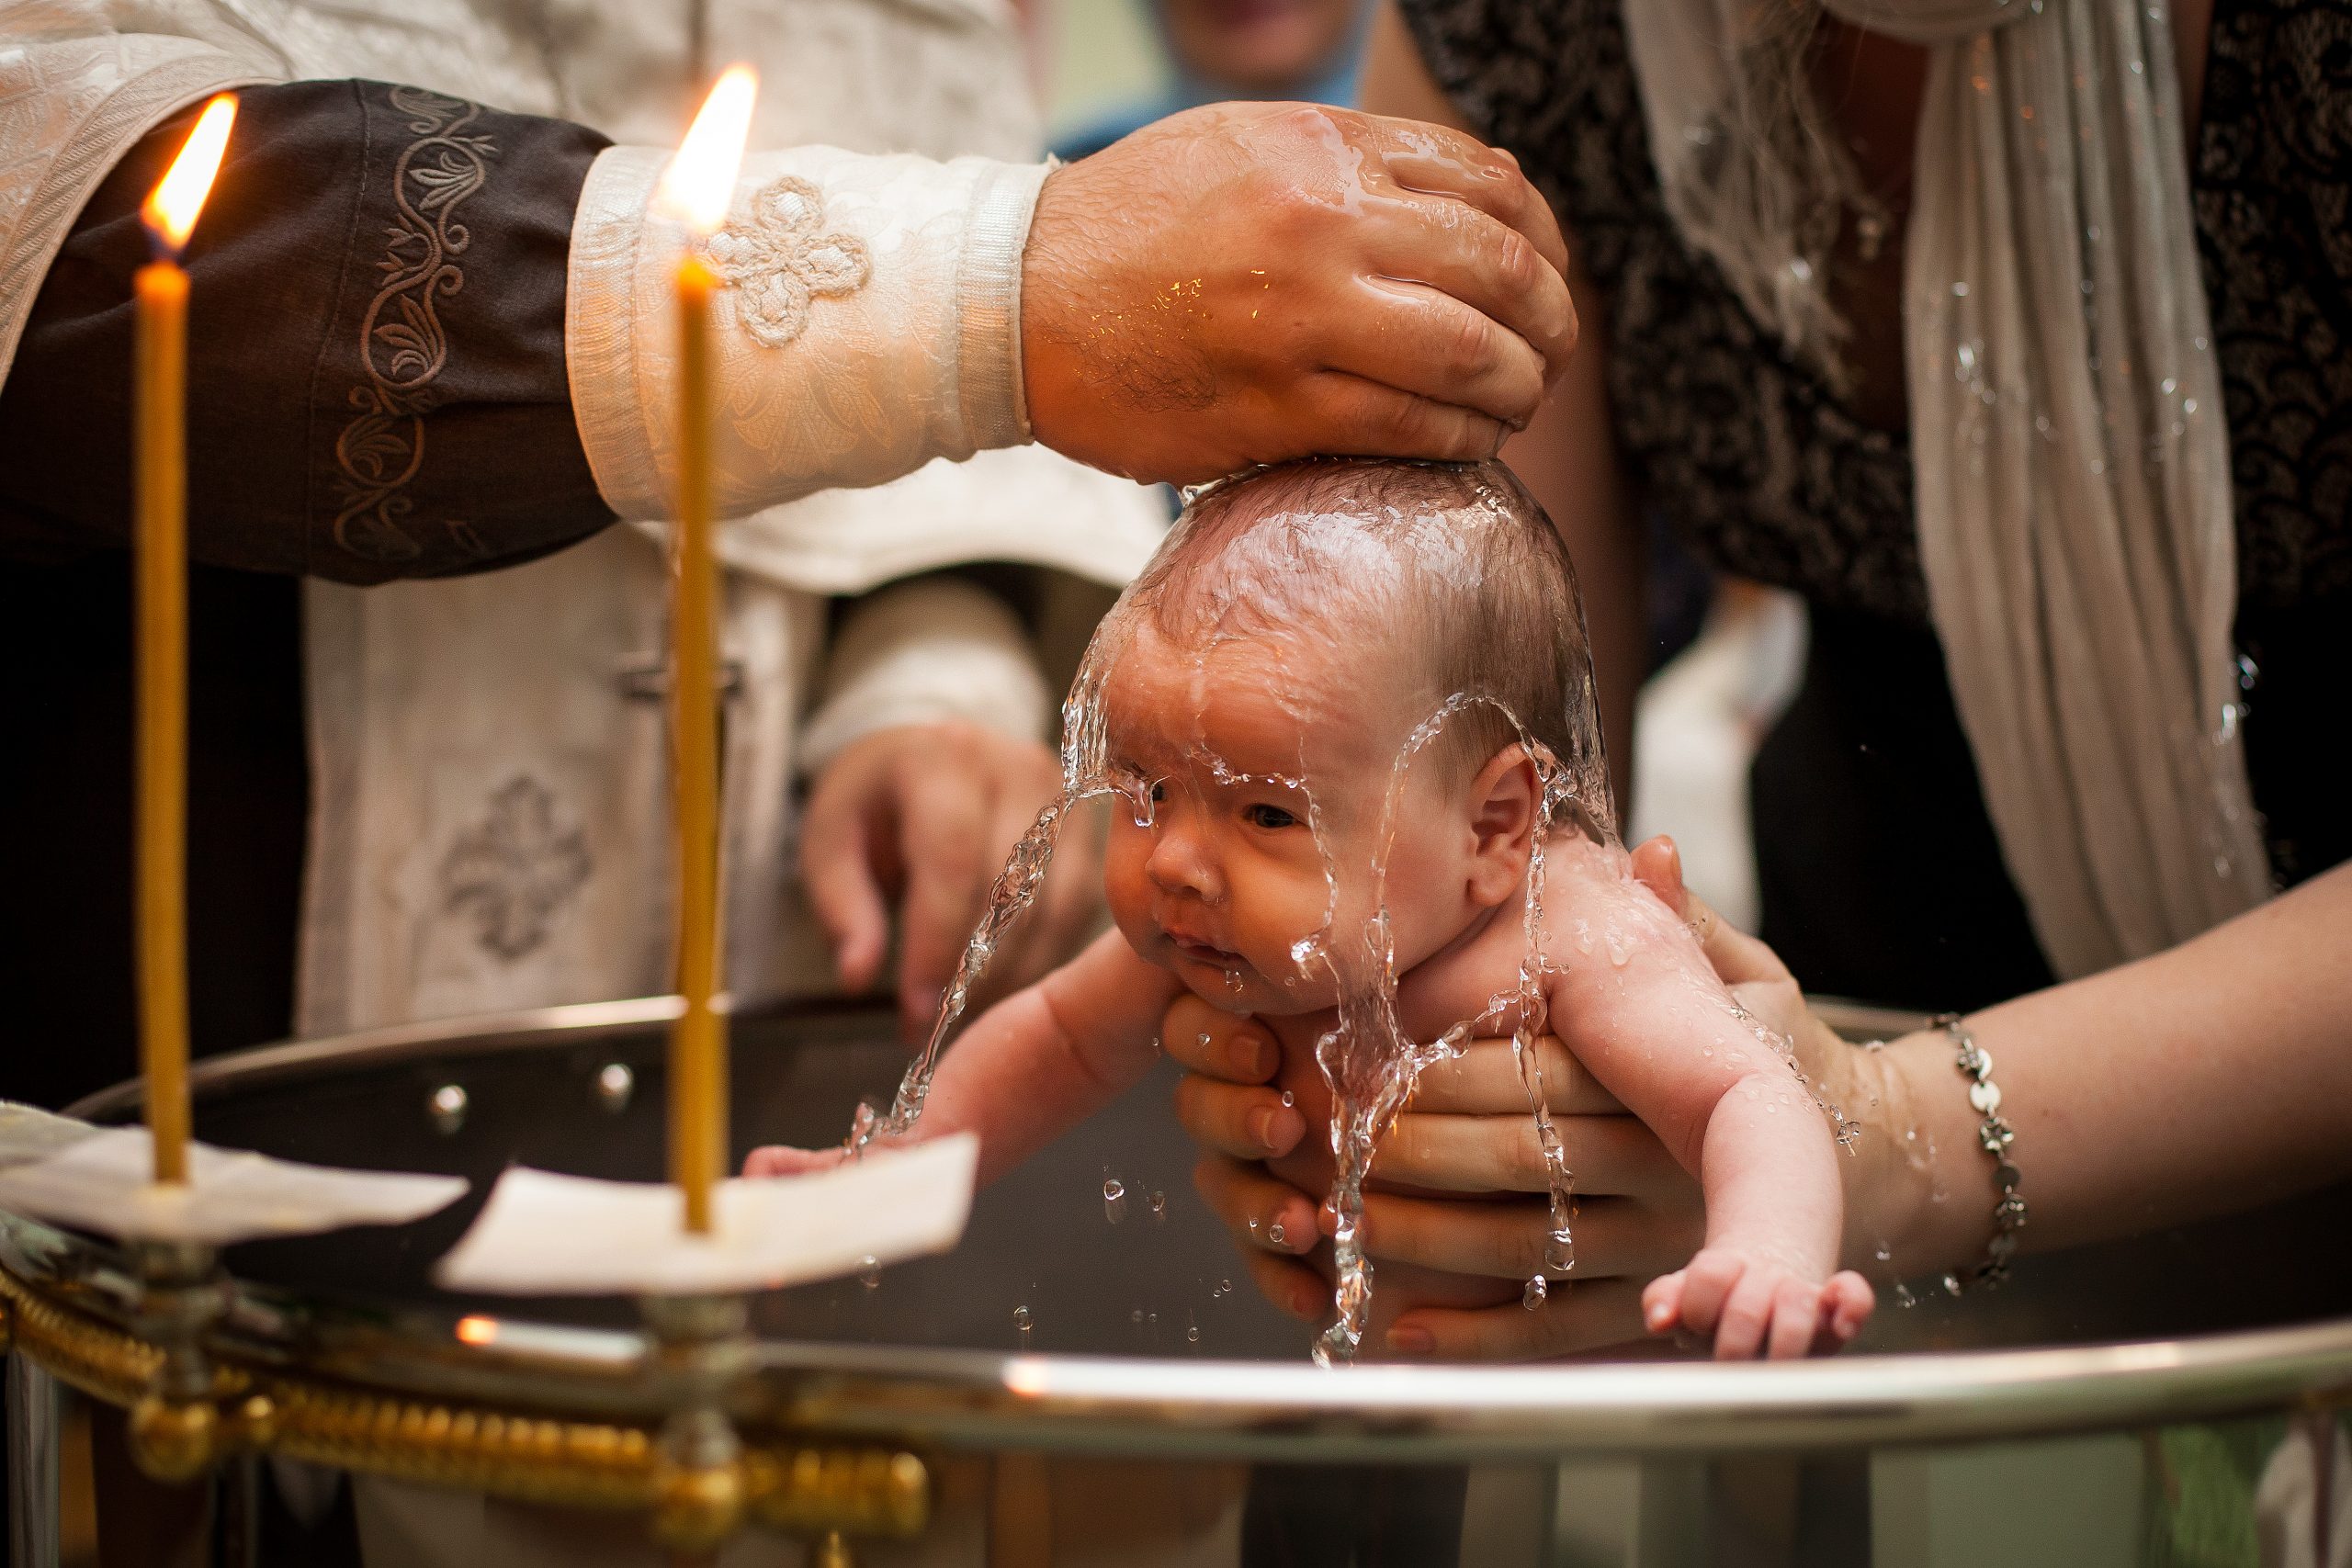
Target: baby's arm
1036	1064
1662	1034
1763	1282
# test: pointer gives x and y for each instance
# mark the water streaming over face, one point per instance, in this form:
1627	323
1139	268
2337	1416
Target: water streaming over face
1366	1056
1372	1065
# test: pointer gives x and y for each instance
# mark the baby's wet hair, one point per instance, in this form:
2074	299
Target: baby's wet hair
1450	570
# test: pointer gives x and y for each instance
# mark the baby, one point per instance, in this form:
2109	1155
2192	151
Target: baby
1341	706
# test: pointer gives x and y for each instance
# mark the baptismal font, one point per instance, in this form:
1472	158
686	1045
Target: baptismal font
149	1332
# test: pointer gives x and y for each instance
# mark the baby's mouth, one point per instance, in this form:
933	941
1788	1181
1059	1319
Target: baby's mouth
1203	952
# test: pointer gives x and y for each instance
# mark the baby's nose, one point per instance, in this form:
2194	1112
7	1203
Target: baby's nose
1180	864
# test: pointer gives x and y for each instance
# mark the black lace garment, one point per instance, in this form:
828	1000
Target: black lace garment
1881	875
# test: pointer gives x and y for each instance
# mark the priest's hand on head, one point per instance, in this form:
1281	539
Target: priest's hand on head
920	816
1245	283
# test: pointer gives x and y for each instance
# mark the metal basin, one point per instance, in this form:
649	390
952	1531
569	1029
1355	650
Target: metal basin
2081	1397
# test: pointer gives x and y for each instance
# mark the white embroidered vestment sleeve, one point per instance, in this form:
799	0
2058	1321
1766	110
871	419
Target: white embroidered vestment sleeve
921	652
870	322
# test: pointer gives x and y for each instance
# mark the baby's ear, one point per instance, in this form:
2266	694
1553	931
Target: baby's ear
1502	824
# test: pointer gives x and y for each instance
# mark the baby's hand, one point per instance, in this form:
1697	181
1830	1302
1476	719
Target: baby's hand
783	1159
1758	1305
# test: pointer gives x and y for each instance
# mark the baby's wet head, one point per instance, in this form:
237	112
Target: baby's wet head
1255	689
1382	590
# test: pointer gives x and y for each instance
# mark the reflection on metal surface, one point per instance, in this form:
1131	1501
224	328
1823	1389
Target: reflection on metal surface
355	1360
512	1454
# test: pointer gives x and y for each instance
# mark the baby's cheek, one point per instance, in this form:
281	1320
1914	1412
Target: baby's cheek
1276	908
1126	889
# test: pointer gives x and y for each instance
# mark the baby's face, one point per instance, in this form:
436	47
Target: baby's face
1225	882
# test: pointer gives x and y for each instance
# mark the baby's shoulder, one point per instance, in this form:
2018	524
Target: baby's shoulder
1476	983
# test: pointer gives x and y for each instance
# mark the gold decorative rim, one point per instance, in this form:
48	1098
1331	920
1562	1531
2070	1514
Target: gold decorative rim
798	1488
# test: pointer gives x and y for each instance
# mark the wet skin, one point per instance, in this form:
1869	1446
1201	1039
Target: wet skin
1227	876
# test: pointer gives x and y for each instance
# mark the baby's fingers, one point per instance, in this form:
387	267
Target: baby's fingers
1846	1303
1796	1316
1707	1283
1747	1315
1662	1303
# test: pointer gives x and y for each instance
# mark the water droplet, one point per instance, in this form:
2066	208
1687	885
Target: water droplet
1223	1286
1274	1234
869	1272
614	1084
2169	386
1960	291
1021	1320
1203	1040
1115	1200
1904	1298
1158	1203
1289	1098
1882	1254
447	1109
1136	1317
1532	1297
2188	405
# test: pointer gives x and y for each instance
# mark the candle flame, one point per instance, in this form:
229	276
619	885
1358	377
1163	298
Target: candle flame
700	180
170	211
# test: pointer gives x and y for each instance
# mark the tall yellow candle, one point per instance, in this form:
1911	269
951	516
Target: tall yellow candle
159	415
697	189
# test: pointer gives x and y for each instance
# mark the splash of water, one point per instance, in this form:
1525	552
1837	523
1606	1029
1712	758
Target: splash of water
1014	891
1373	1065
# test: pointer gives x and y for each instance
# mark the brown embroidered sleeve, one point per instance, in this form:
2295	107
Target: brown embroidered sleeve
377	384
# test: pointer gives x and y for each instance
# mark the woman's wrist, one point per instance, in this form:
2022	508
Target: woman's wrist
1920	1188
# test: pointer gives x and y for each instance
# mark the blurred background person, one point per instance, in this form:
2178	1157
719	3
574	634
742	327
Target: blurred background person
1208	51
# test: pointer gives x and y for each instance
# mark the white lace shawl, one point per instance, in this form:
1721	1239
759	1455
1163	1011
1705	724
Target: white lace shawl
2072	460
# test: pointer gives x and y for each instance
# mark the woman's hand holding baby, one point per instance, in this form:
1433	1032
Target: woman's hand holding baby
1468	1130
1640	1212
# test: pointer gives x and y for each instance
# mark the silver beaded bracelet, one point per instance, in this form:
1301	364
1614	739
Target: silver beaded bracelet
1976	1065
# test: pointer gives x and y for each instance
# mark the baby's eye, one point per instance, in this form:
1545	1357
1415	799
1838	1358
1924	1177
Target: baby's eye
1270	817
